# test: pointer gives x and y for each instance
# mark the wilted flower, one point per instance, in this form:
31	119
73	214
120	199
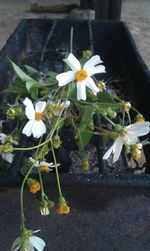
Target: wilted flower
128	135
136	151
87	54
35	124
81	75
28	242
34	185
62	208
6	152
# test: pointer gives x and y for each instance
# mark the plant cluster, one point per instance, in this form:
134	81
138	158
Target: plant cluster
42	105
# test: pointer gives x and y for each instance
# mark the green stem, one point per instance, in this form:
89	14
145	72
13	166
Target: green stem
71	40
56	170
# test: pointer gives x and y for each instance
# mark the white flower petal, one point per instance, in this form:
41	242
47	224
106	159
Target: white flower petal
40	106
29	110
92	62
30	247
65	78
130	139
66	104
16	244
90	83
38	129
27	130
37	243
72	62
110	150
97	69
8	157
81	90
36	162
138	129
118	149
3	138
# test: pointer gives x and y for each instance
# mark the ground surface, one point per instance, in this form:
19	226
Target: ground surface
100	219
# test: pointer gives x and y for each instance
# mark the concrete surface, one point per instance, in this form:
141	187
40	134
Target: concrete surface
134	12
109	219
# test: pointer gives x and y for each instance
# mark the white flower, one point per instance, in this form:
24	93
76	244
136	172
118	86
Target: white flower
8	157
32	243
43	164
57	107
128	136
81	75
35	124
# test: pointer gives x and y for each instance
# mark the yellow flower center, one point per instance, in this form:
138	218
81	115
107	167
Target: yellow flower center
44	169
57	107
81	75
38	116
137	156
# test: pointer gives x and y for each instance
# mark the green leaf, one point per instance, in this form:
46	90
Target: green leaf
32	72
104	97
72	91
17	88
84	129
29	84
20	73
52	76
34	92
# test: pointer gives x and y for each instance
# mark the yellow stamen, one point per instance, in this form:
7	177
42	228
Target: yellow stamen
44	169
57	107
81	75
38	116
137	156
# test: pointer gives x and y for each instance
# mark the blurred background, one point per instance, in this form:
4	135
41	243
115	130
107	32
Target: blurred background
136	13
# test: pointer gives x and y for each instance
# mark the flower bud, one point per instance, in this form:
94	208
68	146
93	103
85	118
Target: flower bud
126	106
118	128
11	113
101	86
139	118
56	141
62	208
85	164
8	148
87	54
112	114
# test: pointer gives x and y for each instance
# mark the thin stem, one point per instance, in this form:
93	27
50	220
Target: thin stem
129	118
56	170
41	182
123	118
71	39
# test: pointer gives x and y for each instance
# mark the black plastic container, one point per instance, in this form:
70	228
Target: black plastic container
43	45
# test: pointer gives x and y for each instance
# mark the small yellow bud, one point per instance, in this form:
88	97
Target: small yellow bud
56	141
85	164
48	112
126	106
11	113
101	86
87	54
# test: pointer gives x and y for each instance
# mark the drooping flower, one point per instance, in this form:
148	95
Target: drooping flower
6	152
28	242
7	138
128	136
35	124
81	75
62	208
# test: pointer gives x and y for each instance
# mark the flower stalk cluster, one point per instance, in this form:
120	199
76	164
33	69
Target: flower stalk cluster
70	99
